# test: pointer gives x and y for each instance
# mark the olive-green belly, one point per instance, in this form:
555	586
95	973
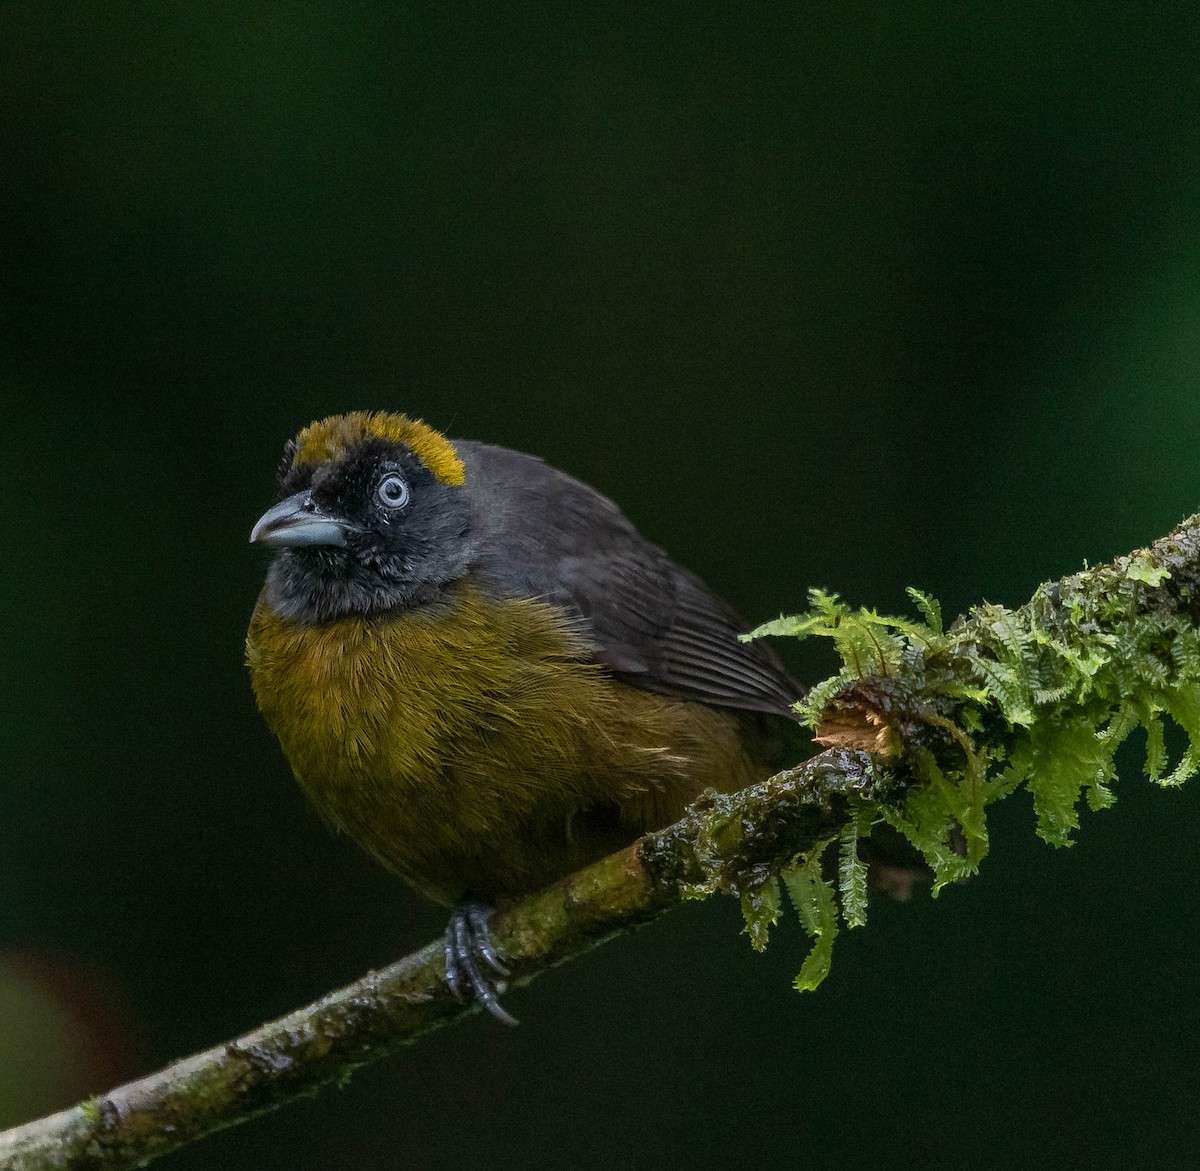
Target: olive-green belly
472	748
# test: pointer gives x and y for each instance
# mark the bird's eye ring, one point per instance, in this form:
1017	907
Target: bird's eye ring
393	491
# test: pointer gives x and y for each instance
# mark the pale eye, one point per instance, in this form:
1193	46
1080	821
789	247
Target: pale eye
393	491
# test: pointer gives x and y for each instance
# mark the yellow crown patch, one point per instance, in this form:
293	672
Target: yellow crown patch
329	439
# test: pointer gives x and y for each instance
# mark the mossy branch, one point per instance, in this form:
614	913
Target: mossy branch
925	728
328	1040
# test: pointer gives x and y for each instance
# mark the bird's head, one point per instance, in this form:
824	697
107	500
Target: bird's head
372	515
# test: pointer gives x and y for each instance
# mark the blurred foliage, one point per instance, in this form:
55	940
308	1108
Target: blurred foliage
62	1033
41	1049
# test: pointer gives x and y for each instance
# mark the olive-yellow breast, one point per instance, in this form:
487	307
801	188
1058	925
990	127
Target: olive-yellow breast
480	671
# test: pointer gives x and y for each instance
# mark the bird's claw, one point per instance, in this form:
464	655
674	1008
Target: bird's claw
468	948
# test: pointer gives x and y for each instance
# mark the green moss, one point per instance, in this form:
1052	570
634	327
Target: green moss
813	898
1036	698
760	909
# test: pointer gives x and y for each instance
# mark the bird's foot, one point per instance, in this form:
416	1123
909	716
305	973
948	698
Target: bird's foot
469	953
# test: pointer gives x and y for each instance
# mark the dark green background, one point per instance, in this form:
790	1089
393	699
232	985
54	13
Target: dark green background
850	294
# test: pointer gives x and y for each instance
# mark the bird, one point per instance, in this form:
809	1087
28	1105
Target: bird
481	672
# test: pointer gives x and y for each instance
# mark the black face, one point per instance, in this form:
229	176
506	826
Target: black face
373	530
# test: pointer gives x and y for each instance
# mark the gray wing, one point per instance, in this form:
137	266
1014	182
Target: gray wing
652	623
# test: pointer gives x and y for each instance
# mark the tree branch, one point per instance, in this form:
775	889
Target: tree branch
326	1041
940	726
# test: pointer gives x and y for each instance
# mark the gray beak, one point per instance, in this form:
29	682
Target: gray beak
297	521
